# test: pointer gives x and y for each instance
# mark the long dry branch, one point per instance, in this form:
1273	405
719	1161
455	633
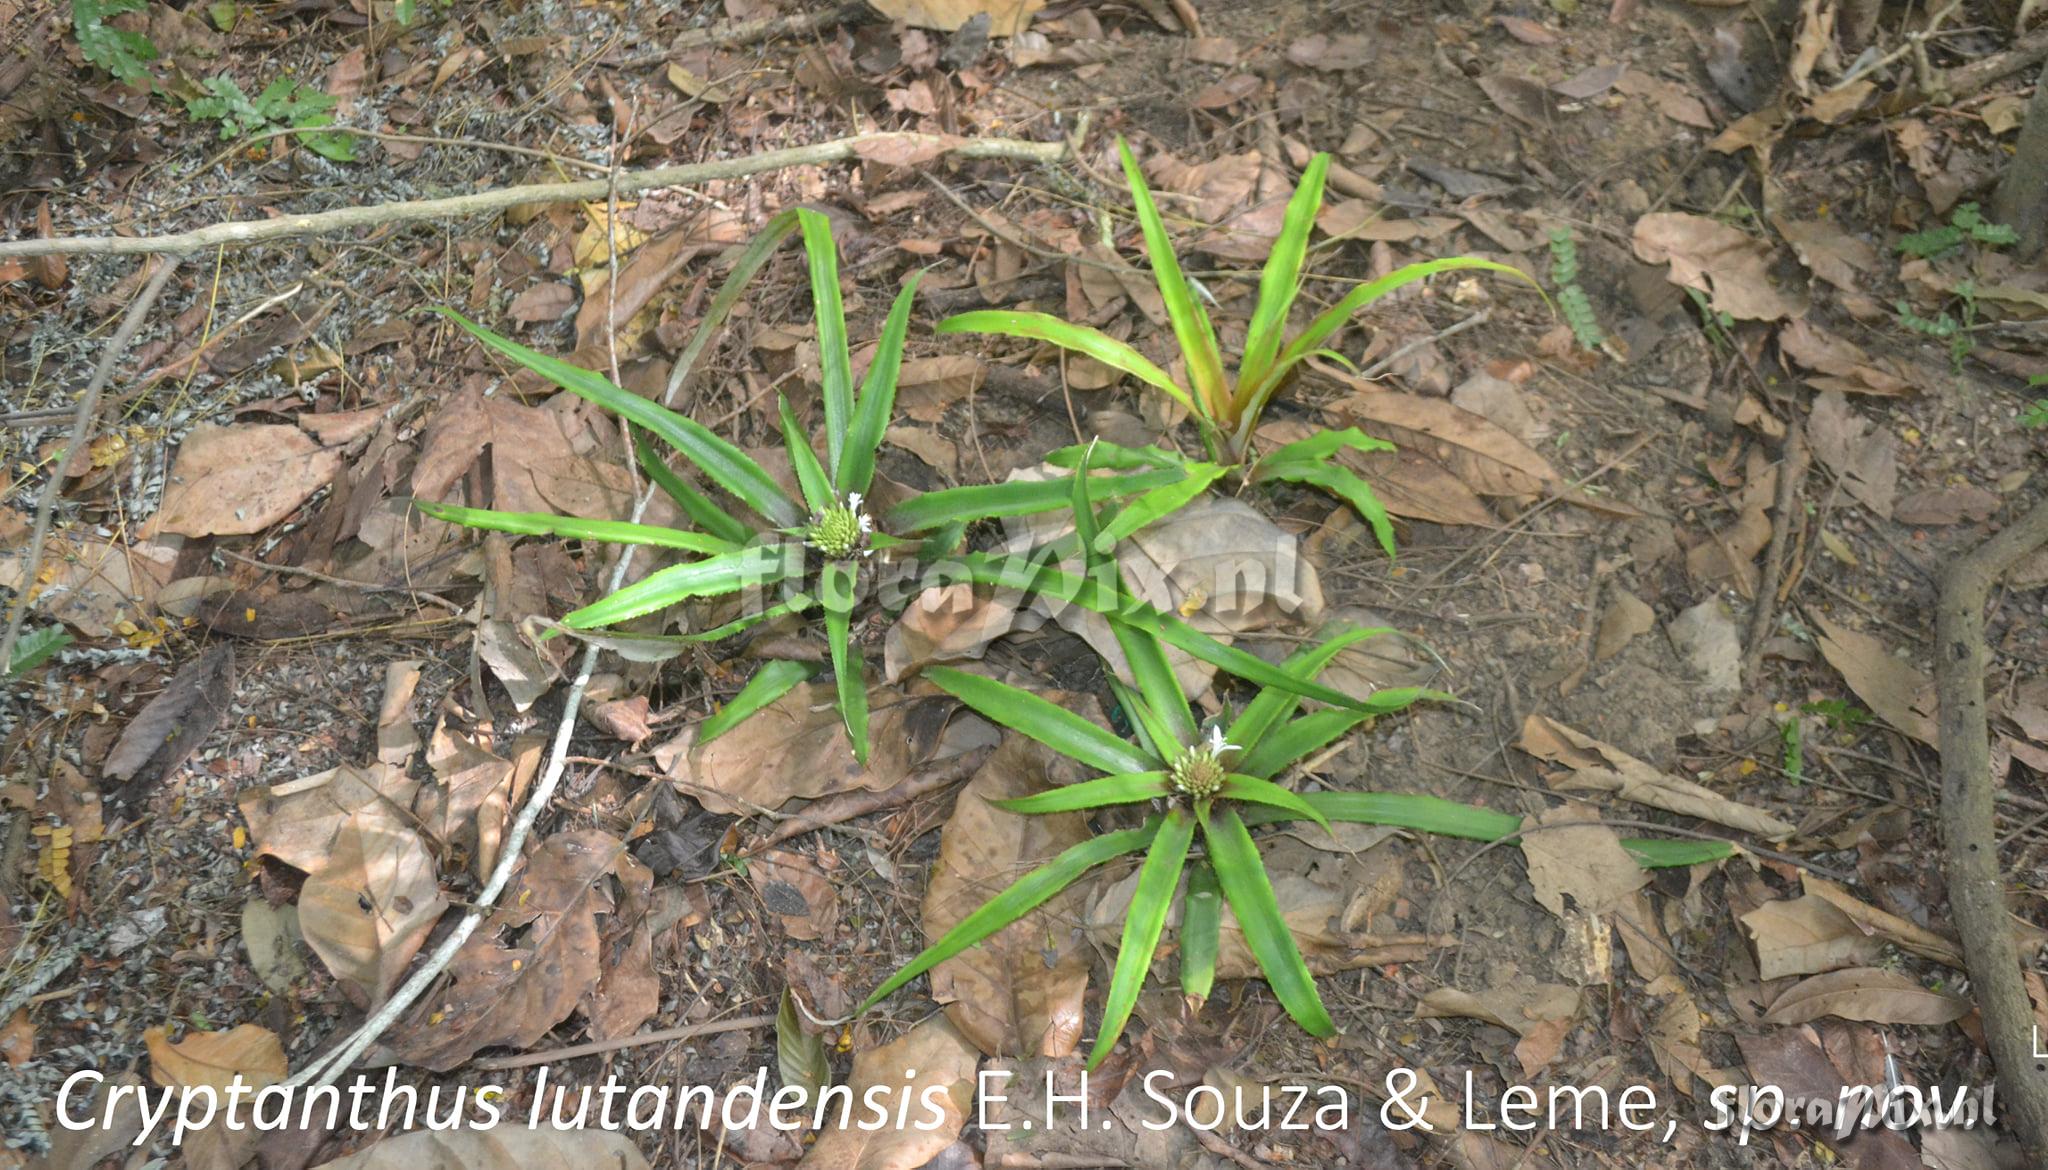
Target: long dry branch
887	145
1976	879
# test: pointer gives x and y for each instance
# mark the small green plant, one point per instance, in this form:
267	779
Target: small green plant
124	54
1227	410
1211	781
811	548
282	103
1838	714
1571	299
1943	327
1719	326
1966	222
35	648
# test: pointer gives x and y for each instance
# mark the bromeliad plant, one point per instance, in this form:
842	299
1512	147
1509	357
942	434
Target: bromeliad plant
810	546
1227	409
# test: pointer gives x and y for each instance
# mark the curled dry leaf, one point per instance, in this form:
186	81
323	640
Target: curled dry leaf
1712	257
1021	992
796	749
1571	855
1602	767
166	732
1862	455
1871	994
474	791
1806	936
216	1059
1540	1014
538	958
369	906
1905	934
1006	18
950	623
1842	365
1487	458
1901	695
296	822
397	739
934	1064
505	1147
1625	618
534	460
236	480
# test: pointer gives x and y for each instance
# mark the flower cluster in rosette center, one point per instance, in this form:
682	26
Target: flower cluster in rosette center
1198	772
841	530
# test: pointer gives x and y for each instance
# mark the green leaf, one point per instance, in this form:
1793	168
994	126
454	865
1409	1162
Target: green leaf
835	365
1108	456
1253	790
1325	443
1157	504
1080	338
1101	792
835	589
1425	814
1281	280
1143	923
575	528
1245	665
34	648
1081	505
1286	744
1662	854
1056	727
772	681
877	396
810	476
1020	898
122	53
727	465
760	565
751	259
697	506
1190	323
1272	705
1242	874
799	1056
1201	932
1153	733
930	510
1339	482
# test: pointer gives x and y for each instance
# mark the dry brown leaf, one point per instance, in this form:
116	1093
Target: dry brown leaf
217	1059
368	907
934	1064
793	888
539	957
1020	993
535	461
93	585
1672	100
397	739
547	301
949	623
1674	1038
296	822
931	448
1901	695
1871	994
905	151
1540	1014
927	386
1488	459
1602	767
1950	505
506	1147
1006	18
1642	936
1901	932
1333	52
474	791
1571	855
1408	483
237	480
165	733
1830	252
796	749
1625	618
1806	936
1844	365
1710	256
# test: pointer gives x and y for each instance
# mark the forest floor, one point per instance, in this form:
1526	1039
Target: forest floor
1677	564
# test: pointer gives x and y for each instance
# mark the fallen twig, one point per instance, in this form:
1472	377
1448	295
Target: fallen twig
81	425
481	202
747	32
1792	468
1976	879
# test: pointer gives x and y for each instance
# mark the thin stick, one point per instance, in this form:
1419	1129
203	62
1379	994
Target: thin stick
81	425
848	805
746	32
418	139
343	582
1976	879
1791	476
1386	363
686	1032
482	202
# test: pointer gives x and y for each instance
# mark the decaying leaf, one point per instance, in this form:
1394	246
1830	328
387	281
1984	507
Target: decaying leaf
504	1147
1539	1013
1712	257
934	1064
1866	993
296	822
368	907
1901	695
1602	767
1900	932
166	732
537	958
1862	455
216	1059
1021	992
792	887
272	937
1806	936
1006	18
795	749
1842	365
1625	618
397	739
949	623
92	585
799	1055
1571	855
1487	458
235	480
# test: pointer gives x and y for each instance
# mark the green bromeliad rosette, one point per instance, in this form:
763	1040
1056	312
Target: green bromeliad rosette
807	550
1226	409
